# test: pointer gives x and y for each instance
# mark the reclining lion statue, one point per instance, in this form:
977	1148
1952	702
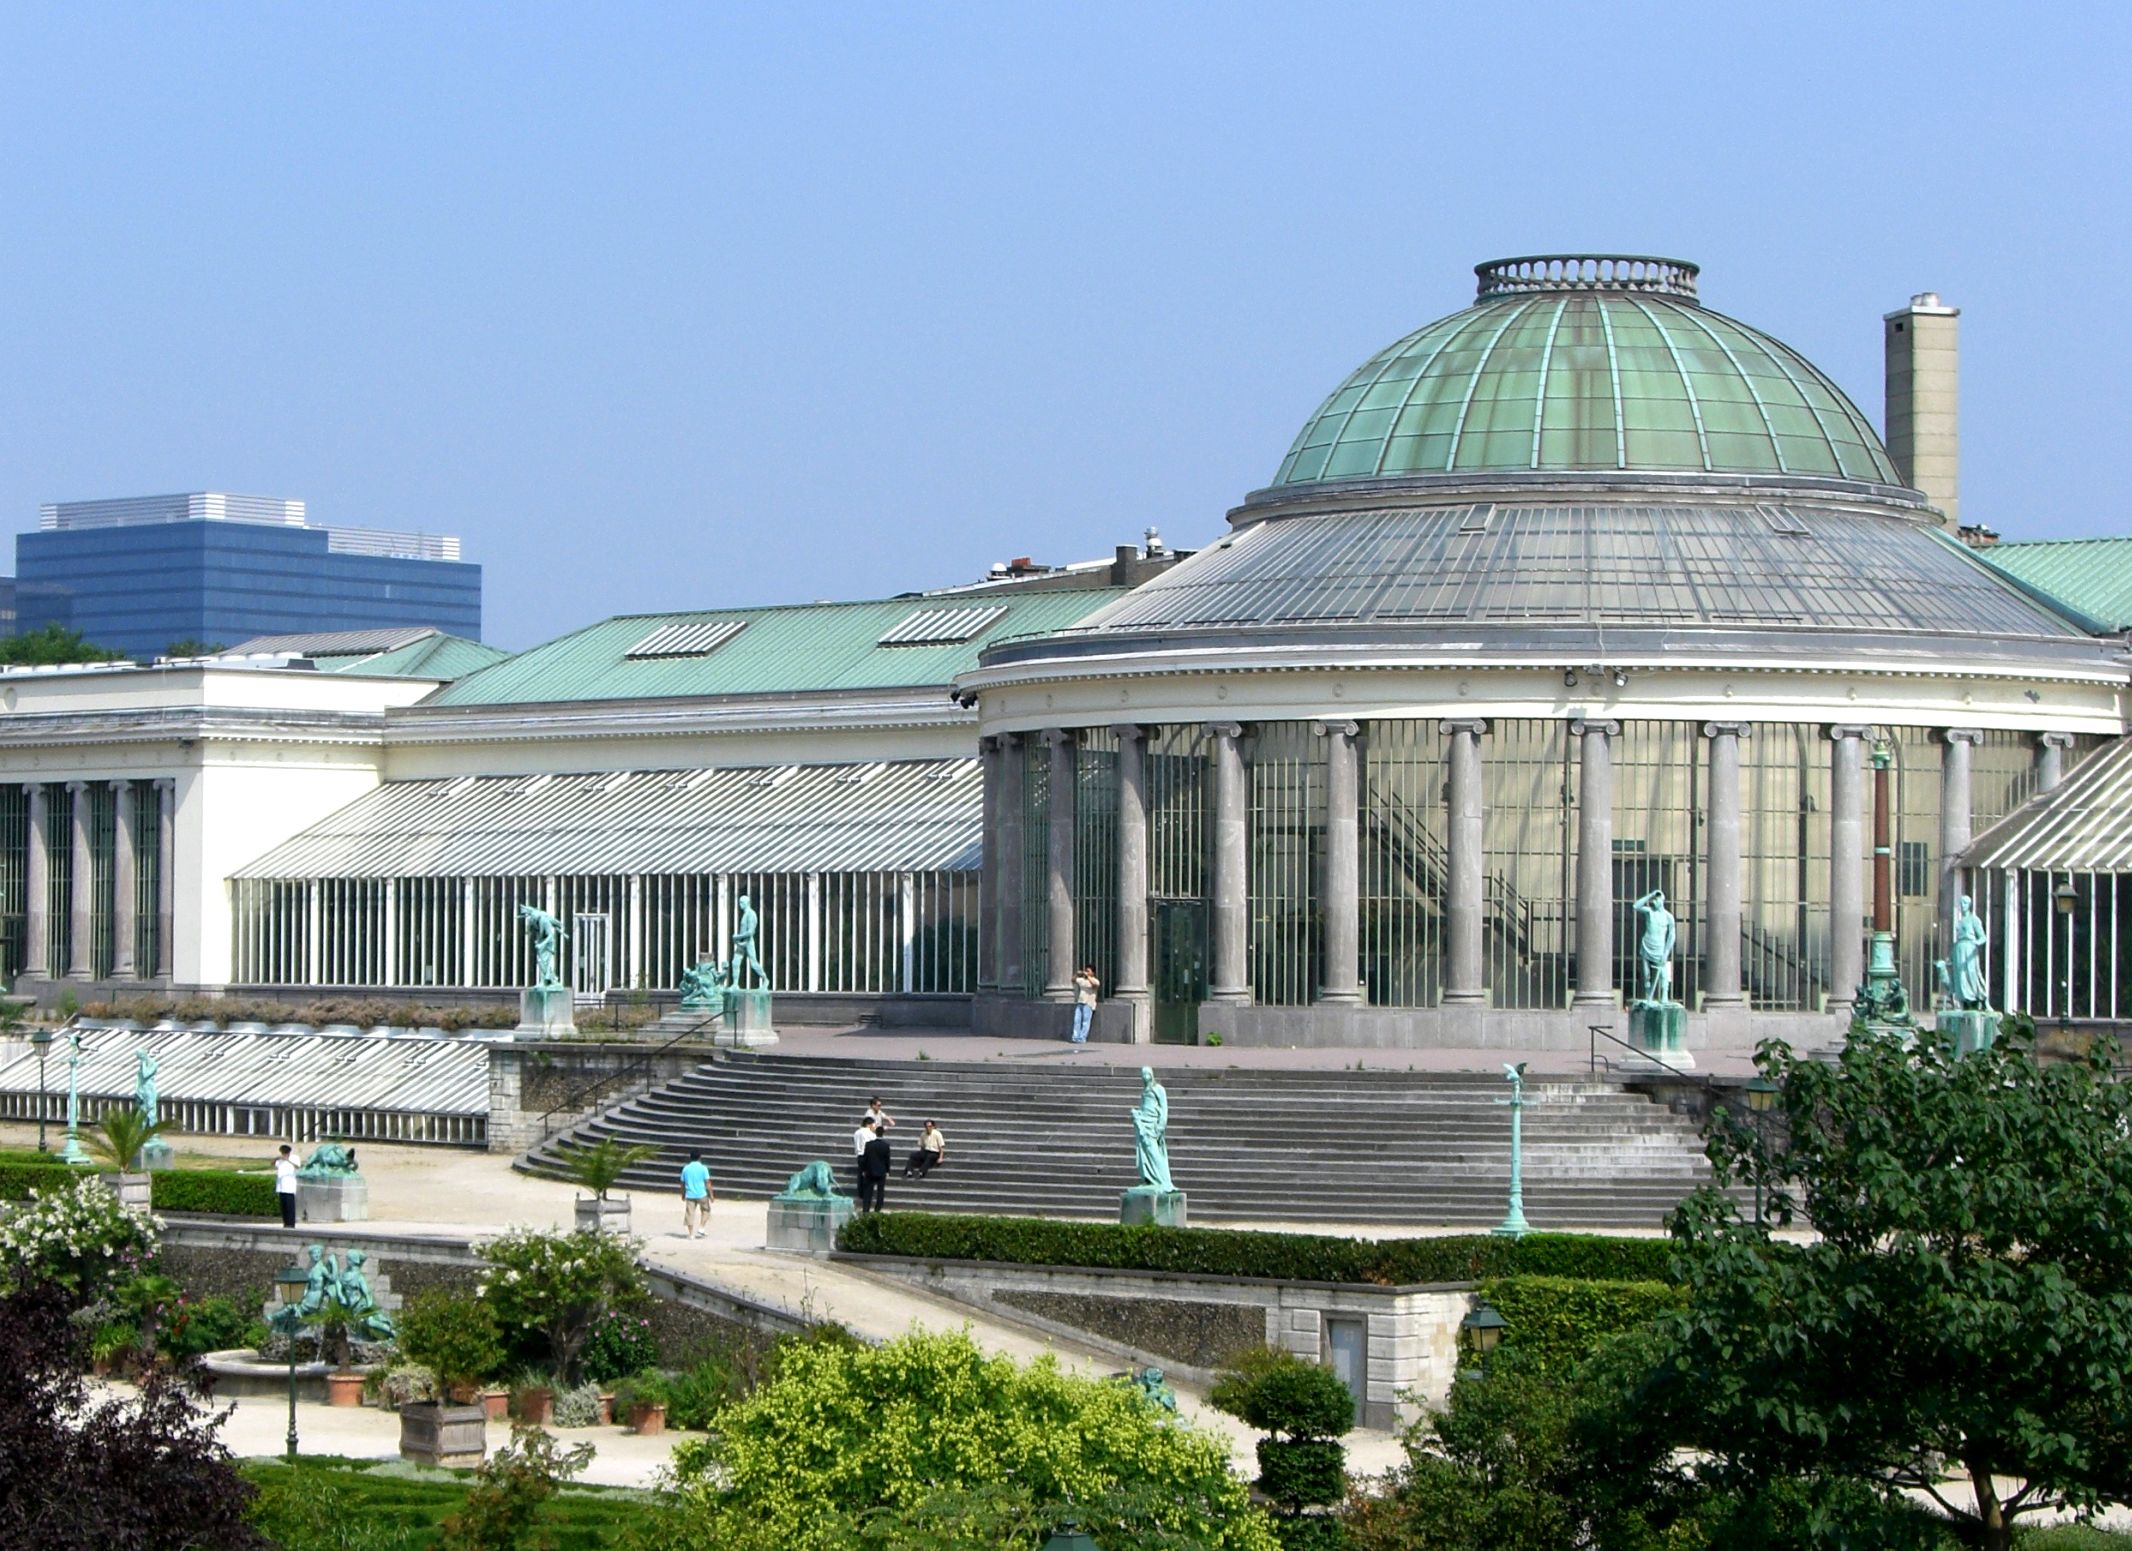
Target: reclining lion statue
814	1182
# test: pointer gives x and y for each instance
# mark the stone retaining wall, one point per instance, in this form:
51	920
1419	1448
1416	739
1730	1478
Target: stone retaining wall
1192	1325
528	1081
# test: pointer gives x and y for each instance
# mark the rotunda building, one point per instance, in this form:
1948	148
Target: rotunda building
1581	593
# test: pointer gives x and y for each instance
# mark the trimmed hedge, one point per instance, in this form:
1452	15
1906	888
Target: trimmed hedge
17	1180
1290	1257
1559	1319
224	1192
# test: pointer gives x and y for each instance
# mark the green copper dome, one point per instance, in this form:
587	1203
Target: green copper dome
1583	363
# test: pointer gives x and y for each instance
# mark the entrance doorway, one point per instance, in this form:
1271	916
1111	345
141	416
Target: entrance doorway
1347	1354
1180	969
591	957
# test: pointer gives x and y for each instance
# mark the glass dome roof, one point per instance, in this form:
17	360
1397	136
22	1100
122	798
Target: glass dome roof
1584	363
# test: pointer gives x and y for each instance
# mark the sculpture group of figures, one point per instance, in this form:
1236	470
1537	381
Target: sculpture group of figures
344	1282
704	984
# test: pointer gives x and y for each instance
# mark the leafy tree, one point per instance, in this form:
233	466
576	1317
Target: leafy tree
80	1472
452	1335
51	644
1305	1407
560	1284
927	1441
193	646
1967	1307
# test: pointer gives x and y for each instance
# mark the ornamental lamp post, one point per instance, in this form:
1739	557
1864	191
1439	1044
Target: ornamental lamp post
41	1042
1514	1225
1483	1327
291	1284
2067	899
1071	1537
1761	1099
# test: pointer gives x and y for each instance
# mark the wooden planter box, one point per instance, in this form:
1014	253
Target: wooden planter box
344	1389
647	1421
597	1216
436	1434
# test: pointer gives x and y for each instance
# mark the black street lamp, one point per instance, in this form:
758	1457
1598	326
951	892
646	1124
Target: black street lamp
1761	1099
2067	899
41	1041
1483	1328
291	1283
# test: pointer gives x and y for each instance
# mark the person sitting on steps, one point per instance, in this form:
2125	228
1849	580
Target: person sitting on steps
932	1150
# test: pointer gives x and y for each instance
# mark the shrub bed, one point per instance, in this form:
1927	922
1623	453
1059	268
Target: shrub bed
364	1012
1293	1257
1559	1319
224	1192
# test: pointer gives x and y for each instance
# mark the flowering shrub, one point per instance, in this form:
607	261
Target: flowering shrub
560	1285
620	1344
77	1237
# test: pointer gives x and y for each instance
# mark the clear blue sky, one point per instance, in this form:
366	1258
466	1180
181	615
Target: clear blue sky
688	305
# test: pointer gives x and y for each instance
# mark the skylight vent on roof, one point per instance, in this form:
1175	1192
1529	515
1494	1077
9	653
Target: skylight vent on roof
1783	521
699	639
940	627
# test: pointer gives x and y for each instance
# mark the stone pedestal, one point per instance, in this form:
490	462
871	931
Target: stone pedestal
547	1012
332	1198
807	1225
1966	1032
610	1216
157	1155
1146	1204
747	1020
1659	1030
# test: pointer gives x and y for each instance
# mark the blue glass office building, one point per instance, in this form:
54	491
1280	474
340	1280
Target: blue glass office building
144	581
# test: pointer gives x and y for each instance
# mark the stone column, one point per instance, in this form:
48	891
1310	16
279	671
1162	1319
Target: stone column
1231	925
1465	886
1595	863
2050	759
1846	866
1721	942
1132	985
988	868
166	873
1013	802
37	887
1955	746
1058	856
1340	889
124	918
81	891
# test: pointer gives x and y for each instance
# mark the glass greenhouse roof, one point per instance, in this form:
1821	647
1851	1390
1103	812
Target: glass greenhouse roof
1587	379
1790	567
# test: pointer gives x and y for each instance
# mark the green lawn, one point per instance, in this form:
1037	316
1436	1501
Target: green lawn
2073	1537
328	1504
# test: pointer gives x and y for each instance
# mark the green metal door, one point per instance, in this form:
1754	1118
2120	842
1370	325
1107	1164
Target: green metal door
1180	969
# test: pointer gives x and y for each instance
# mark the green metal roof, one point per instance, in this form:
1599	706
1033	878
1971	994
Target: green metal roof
795	649
438	657
1559	372
2091	576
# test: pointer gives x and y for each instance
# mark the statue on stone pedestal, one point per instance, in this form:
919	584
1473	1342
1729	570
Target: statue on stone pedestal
815	1182
1966	976
1151	1132
144	1094
329	1159
1655	946
546	932
703	987
745	927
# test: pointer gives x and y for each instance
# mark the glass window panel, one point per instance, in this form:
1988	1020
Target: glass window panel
1670	449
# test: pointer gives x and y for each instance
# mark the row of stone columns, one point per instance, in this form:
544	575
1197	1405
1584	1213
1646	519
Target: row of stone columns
126	851
1465	979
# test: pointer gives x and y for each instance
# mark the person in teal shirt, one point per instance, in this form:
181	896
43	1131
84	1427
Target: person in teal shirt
695	1197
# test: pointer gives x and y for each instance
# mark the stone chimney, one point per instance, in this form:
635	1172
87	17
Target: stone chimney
1924	437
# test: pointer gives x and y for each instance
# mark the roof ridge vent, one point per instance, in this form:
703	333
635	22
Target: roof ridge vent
1637	272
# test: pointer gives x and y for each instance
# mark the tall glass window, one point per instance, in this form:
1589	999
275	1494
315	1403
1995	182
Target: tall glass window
1404	863
1784	867
1528	860
1286	771
1095	853
1659	823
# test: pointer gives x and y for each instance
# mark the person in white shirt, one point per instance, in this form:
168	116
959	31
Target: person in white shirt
859	1139
285	1185
883	1121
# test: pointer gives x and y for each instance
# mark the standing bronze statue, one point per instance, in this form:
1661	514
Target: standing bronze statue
1655	946
745	927
547	933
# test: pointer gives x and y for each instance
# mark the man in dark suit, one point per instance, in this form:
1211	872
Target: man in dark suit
873	1174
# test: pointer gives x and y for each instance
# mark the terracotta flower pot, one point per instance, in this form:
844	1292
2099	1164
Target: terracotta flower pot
344	1389
606	1409
647	1420
497	1403
534	1404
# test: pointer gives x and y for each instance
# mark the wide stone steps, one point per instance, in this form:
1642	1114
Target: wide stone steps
1245	1144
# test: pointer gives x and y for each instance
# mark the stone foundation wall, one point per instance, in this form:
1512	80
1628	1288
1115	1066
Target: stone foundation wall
527	1083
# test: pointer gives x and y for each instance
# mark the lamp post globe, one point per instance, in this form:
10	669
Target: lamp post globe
1483	1327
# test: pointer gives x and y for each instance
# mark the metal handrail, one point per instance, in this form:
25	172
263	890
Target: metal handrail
617	1079
1595	1060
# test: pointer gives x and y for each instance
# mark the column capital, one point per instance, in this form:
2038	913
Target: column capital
78	787
1961	735
1728	729
120	784
2055	740
1840	732
1129	732
1055	736
1581	726
1477	725
1327	726
990	743
1225	729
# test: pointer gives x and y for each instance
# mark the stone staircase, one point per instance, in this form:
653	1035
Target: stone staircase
1298	1147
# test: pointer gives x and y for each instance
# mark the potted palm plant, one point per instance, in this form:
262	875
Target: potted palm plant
456	1338
117	1139
599	1167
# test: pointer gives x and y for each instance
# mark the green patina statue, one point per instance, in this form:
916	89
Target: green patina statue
746	925
547	933
1151	1132
144	1091
703	987
1967	988
329	1160
813	1183
369	1322
1654	948
1152	1384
